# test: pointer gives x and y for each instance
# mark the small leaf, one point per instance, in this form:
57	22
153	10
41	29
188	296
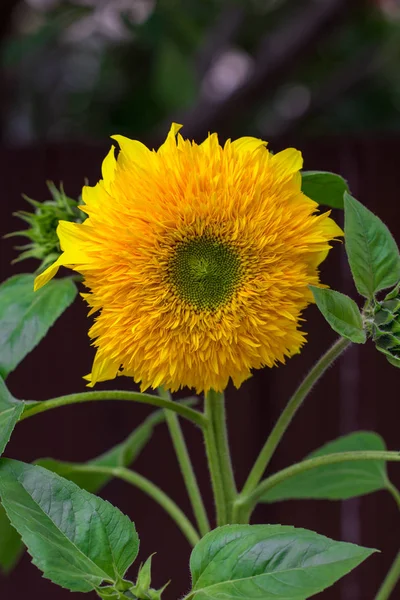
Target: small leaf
372	252
26	316
341	312
268	562
394	293
324	187
78	540
341	480
10	412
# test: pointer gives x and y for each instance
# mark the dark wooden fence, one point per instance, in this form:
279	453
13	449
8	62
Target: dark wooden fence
359	392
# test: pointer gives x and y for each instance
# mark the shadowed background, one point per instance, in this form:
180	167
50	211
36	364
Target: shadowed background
319	75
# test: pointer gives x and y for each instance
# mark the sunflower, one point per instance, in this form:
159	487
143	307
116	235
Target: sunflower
197	259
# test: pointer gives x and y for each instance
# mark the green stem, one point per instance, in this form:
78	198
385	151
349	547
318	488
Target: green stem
394	491
218	422
390	580
214	462
393	576
186	467
34	408
287	415
245	503
151	490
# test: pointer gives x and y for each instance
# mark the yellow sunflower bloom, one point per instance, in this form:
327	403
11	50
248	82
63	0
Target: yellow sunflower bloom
198	260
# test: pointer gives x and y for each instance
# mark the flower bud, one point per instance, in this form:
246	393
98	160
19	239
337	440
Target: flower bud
385	327
44	244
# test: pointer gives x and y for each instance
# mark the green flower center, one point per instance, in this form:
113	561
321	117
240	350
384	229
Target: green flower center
205	272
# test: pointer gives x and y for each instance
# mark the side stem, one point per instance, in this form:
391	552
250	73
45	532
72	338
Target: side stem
390	581
245	504
393	576
186	466
288	413
34	408
152	490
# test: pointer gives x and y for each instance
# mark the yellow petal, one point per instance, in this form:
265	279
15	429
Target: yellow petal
248	144
132	151
102	370
171	139
287	162
73	241
48	274
108	168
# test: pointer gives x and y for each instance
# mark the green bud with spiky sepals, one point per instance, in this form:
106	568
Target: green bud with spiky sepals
383	322
142	589
43	242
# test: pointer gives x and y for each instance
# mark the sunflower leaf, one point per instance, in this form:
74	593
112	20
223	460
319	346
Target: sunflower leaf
338	481
324	187
268	562
78	540
10	412
341	312
371	249
124	454
26	316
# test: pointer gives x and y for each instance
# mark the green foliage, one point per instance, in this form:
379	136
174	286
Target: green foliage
26	316
121	455
78	540
10	411
324	187
142	587
268	562
341	312
383	319
338	481
372	252
43	243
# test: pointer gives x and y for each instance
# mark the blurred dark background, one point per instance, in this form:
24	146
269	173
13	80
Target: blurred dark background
321	75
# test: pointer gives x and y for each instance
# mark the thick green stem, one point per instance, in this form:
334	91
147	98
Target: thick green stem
390	581
218	422
287	415
151	490
214	462
34	408
245	503
186	467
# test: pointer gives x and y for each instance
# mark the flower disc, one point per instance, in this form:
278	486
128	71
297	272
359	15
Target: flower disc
197	259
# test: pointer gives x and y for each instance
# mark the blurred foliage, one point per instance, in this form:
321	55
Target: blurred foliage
90	68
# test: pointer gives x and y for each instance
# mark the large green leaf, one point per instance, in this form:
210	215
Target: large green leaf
324	187
26	316
10	411
372	252
121	455
78	540
341	312
268	562
339	481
